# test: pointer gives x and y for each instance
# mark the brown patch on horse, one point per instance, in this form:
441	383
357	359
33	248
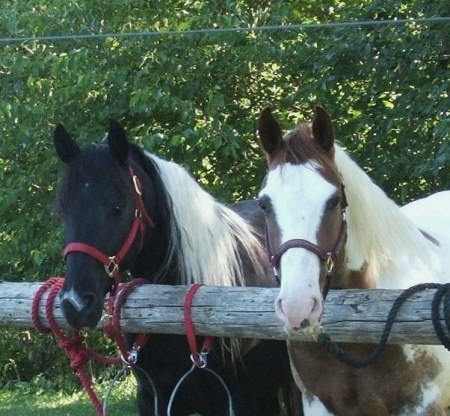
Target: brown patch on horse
353	279
391	385
300	147
329	232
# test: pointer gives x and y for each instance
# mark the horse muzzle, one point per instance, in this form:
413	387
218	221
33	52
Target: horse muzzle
81	311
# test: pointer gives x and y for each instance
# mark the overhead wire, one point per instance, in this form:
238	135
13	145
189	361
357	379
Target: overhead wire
189	32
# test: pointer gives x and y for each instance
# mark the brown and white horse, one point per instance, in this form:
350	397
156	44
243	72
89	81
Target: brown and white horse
325	217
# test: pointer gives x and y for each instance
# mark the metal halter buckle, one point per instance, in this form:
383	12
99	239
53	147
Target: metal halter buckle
137	185
133	355
329	263
112	267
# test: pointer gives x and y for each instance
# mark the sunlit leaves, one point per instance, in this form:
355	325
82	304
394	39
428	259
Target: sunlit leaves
196	98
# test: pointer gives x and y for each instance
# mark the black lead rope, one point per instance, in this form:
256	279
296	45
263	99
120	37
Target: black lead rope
442	295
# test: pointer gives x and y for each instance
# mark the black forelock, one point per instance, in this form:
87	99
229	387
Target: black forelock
95	161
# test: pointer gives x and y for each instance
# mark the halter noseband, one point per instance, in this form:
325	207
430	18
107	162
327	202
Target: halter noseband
112	263
327	258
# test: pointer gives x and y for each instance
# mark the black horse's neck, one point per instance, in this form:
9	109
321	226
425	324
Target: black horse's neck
156	261
160	260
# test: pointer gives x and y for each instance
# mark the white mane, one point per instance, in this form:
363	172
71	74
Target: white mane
209	234
380	235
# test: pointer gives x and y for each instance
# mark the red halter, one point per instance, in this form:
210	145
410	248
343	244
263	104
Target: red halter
112	263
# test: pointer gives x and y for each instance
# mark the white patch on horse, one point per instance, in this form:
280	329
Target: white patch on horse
382	235
430	396
411	352
74	299
298	194
312	406
200	221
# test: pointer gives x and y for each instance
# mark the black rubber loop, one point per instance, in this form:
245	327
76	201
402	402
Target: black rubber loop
442	292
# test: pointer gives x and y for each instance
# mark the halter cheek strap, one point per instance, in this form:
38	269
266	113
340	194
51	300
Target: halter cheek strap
112	263
327	258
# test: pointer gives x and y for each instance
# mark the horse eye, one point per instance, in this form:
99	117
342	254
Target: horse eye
333	202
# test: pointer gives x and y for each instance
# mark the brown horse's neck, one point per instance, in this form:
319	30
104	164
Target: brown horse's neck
353	279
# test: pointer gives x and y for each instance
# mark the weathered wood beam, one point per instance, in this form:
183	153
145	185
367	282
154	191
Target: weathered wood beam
350	315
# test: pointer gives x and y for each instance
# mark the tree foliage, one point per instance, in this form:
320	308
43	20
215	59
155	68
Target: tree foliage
195	97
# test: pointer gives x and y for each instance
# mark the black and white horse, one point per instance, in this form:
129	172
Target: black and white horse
149	216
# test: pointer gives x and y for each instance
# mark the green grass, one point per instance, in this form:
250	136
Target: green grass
22	399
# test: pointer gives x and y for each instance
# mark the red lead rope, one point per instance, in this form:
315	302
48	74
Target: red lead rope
74	346
113	328
198	358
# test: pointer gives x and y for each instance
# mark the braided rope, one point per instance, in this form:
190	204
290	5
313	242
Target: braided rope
74	346
442	290
113	328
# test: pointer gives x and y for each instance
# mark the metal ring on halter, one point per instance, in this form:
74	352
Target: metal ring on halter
124	368
200	359
131	360
186	375
112	267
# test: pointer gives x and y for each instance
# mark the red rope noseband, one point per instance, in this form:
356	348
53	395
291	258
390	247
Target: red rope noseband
74	346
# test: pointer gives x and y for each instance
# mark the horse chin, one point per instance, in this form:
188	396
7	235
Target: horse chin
310	330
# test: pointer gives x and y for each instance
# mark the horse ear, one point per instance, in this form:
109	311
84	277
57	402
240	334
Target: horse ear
66	147
270	133
117	140
322	129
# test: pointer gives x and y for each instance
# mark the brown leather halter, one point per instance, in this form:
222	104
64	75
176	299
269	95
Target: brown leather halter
112	263
327	258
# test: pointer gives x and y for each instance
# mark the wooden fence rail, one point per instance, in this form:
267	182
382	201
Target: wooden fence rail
350	315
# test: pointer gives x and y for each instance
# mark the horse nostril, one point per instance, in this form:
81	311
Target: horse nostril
79	303
81	310
305	324
89	301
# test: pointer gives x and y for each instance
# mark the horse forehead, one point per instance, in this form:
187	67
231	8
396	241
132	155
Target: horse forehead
301	184
94	186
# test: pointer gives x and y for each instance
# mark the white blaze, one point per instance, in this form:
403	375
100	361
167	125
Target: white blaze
298	194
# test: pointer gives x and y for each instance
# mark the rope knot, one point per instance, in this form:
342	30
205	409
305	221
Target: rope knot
74	347
75	350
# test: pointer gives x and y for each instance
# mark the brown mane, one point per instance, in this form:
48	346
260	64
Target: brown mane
300	147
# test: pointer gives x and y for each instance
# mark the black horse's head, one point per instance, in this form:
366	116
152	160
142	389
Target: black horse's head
105	220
